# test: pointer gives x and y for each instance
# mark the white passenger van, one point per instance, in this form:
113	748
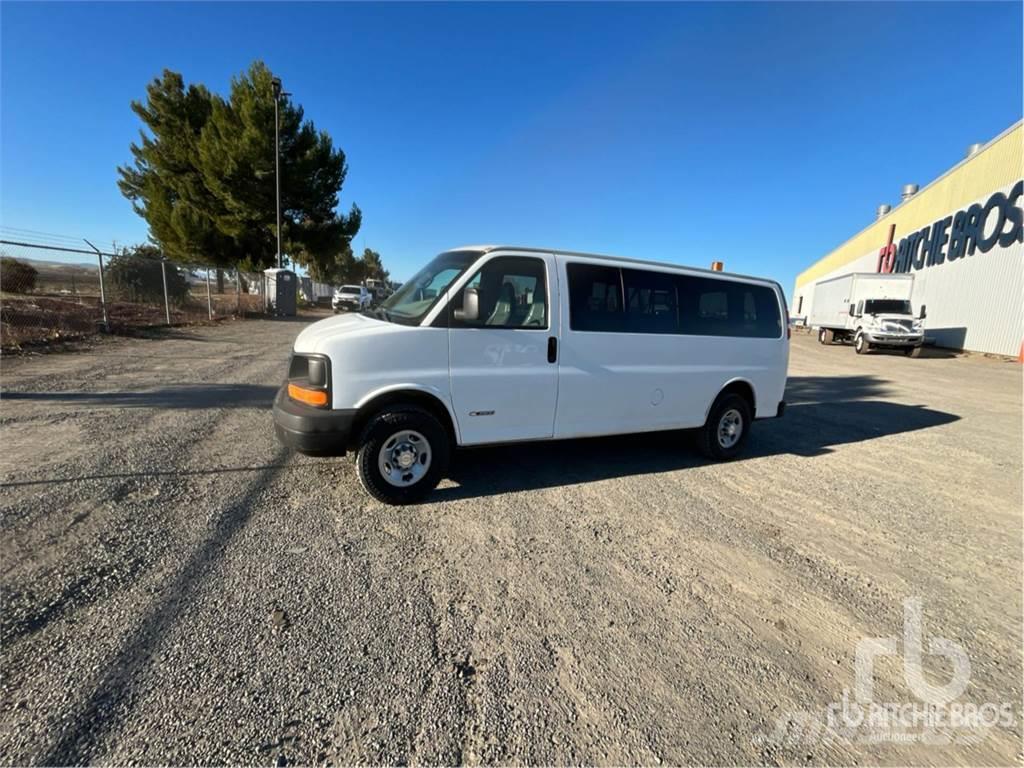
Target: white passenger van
492	344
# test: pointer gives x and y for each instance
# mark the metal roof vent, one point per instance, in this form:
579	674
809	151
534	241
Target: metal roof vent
909	190
883	210
973	150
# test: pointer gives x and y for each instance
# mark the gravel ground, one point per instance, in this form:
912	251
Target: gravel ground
177	588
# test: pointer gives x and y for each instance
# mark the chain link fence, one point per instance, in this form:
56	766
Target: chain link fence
53	292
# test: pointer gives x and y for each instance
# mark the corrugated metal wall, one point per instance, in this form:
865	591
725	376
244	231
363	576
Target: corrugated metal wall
976	302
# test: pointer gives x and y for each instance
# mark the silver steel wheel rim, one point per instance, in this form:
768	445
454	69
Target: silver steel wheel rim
730	428
860	342
404	458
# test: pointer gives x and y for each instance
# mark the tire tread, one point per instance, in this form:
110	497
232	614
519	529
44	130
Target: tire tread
383	425
707	438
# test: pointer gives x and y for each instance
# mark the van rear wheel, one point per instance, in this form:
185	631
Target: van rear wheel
725	432
403	453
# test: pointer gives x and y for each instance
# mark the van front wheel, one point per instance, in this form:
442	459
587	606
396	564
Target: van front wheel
403	453
725	432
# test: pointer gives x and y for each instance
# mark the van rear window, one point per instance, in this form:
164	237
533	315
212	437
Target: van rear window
661	302
713	307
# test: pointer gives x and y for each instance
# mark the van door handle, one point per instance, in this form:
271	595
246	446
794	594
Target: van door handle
552	349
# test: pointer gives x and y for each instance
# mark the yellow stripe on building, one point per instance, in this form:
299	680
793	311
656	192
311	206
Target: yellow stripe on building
999	163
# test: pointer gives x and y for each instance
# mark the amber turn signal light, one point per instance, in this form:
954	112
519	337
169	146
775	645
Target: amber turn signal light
316	397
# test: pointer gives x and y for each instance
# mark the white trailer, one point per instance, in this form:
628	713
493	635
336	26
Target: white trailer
872	310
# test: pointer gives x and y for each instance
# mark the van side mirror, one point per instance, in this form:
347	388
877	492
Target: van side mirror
470	311
853	310
924	314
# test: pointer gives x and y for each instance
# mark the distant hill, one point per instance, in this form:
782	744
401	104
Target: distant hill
42	264
63	276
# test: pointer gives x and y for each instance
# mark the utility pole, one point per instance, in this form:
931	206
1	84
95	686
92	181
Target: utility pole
278	93
167	301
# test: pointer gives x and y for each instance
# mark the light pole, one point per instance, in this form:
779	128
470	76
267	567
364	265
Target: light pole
278	93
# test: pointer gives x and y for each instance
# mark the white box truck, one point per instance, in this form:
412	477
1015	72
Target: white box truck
871	310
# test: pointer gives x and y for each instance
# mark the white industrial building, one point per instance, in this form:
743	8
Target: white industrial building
961	237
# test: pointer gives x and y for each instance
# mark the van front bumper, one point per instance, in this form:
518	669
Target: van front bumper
311	430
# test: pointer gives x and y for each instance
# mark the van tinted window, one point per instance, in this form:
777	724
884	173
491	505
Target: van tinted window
595	298
660	302
711	307
651	305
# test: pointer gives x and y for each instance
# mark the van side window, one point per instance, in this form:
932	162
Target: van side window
513	294
761	318
595	298
651	305
713	307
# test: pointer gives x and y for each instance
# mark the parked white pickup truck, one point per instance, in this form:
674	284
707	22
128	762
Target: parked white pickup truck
351	297
871	310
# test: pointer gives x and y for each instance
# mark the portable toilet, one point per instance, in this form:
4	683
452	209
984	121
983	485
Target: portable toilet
282	289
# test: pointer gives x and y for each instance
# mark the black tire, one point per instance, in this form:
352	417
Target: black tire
708	441
860	344
913	351
379	430
821	335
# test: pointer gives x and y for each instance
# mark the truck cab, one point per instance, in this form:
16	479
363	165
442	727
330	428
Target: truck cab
887	323
871	310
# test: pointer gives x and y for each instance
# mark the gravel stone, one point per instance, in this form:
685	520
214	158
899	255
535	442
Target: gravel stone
611	601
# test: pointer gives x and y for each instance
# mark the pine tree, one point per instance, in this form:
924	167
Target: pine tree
372	265
165	185
203	177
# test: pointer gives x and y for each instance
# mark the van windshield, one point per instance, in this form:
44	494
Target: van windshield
887	307
350	289
411	303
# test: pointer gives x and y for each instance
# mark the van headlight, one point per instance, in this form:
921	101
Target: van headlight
309	379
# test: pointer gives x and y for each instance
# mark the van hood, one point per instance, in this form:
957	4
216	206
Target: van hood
334	327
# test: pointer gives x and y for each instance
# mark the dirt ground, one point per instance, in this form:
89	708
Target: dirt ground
179	589
26	321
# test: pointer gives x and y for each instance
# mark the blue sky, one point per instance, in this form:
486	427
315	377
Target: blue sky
761	135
